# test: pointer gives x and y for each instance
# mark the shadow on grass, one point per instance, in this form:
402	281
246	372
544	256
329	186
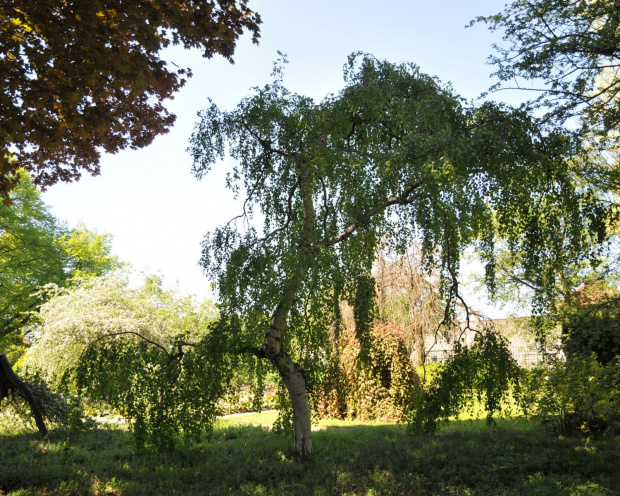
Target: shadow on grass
465	458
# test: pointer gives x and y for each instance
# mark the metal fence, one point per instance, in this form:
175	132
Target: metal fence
525	358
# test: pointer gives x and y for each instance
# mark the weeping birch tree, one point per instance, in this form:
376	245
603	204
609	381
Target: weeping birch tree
394	156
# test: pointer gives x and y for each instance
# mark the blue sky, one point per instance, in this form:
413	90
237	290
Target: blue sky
148	199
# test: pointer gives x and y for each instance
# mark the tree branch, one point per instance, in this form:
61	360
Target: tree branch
404	199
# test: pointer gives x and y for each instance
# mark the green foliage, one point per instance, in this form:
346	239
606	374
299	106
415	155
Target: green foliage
88	254
166	394
450	175
143	351
578	394
571	50
107	306
484	373
37	249
381	387
251	388
592	323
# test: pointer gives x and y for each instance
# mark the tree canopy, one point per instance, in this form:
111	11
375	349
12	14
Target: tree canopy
571	50
37	249
82	77
394	156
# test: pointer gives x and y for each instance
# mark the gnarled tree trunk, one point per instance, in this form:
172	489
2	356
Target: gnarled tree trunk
10	382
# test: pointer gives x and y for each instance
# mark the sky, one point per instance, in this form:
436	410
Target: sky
148	199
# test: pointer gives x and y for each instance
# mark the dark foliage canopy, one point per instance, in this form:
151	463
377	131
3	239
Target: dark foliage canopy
79	77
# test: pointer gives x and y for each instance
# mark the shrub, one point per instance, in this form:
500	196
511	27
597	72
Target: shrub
592	325
379	386
576	395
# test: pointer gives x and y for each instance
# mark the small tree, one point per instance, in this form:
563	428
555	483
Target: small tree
394	155
127	346
409	297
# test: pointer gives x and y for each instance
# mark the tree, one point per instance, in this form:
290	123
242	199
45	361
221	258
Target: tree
106	307
133	349
570	47
81	77
410	298
394	155
37	249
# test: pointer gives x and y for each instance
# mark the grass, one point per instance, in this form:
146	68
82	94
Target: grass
245	457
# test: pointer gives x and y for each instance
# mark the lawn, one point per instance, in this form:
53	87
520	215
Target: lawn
245	457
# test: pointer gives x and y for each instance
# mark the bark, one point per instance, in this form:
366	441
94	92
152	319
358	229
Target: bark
295	381
9	381
292	373
420	348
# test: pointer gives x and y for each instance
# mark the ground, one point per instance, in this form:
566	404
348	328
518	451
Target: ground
353	458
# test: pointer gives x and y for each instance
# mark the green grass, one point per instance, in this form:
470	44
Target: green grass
244	457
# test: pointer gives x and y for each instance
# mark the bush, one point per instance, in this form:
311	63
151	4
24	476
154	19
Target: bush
593	326
576	395
379	386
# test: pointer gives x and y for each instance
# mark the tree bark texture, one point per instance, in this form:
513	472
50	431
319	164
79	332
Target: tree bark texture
295	381
9	381
292	373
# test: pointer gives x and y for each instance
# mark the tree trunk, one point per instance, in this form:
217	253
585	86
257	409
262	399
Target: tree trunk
420	348
9	381
295	381
292	373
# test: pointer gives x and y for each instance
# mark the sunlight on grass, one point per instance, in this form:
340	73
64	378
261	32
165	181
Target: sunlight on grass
264	419
352	457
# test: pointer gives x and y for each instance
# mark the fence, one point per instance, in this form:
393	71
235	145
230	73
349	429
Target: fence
525	358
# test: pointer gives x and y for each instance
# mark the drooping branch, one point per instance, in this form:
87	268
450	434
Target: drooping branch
123	333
